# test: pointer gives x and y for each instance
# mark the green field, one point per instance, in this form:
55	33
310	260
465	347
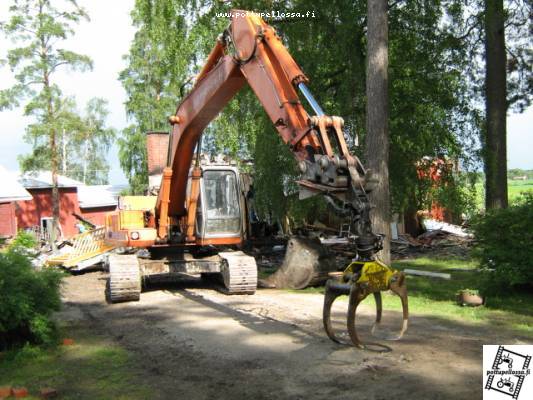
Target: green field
514	188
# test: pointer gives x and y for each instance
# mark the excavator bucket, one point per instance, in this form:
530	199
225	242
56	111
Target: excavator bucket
359	280
306	263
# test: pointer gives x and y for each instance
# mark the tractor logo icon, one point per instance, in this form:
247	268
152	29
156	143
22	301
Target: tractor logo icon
508	372
505	359
506	382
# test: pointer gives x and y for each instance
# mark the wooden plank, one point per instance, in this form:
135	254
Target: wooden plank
427	273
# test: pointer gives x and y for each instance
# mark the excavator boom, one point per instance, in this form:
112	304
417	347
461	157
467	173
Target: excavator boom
250	52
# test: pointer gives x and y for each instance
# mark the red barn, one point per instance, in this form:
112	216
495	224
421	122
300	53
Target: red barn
11	191
76	201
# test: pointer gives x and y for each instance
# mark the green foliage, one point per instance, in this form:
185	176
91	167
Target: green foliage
519	173
504	245
61	138
431	113
37	28
27	300
90	143
457	191
23	240
94	368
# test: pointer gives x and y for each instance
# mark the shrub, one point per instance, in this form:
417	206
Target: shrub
504	245
27	300
23	240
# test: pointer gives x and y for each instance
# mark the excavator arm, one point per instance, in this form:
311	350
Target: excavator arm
249	51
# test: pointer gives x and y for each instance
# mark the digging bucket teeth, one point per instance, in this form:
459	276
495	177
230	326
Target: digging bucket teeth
361	279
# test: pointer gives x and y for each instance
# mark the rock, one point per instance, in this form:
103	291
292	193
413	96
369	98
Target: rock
20	392
5	391
48	393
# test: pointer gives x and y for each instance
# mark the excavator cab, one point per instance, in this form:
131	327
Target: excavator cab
219	212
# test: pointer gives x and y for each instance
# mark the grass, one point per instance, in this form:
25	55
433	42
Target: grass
436	297
92	368
514	189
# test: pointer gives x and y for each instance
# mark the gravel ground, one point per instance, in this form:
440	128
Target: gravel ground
192	342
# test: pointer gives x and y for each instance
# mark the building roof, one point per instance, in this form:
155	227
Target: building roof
99	195
43	180
14	185
11	189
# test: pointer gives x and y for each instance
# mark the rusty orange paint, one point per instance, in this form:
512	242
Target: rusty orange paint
163	200
219	241
193	203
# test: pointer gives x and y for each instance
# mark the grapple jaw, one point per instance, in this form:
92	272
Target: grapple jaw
360	279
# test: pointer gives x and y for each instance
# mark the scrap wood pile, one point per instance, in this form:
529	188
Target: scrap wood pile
440	239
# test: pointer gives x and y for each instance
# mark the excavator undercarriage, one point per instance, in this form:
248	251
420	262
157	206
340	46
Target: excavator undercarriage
127	272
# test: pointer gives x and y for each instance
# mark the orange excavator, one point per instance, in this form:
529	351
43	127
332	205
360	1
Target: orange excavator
202	207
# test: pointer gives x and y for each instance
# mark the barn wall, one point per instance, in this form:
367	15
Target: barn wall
30	212
8	220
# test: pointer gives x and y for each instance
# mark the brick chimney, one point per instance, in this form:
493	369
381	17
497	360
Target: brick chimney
157	151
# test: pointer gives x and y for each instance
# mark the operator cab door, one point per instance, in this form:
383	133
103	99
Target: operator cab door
219	211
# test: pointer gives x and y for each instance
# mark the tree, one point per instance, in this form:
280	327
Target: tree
173	37
430	109
92	143
83	142
377	116
495	151
497	37
38	27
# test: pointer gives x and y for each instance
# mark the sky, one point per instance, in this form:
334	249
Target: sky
106	38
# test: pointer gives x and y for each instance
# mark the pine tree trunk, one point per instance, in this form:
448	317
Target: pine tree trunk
85	157
55	190
495	146
377	116
64	153
54	165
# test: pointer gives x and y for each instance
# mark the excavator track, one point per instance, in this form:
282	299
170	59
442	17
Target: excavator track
239	273
124	278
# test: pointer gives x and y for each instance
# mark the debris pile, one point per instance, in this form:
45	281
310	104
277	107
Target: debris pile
440	239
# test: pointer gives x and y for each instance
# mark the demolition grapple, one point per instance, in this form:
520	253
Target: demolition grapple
360	279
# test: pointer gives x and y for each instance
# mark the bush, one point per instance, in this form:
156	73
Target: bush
504	245
23	240
27	300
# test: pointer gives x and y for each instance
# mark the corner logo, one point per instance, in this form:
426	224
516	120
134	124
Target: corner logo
509	373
